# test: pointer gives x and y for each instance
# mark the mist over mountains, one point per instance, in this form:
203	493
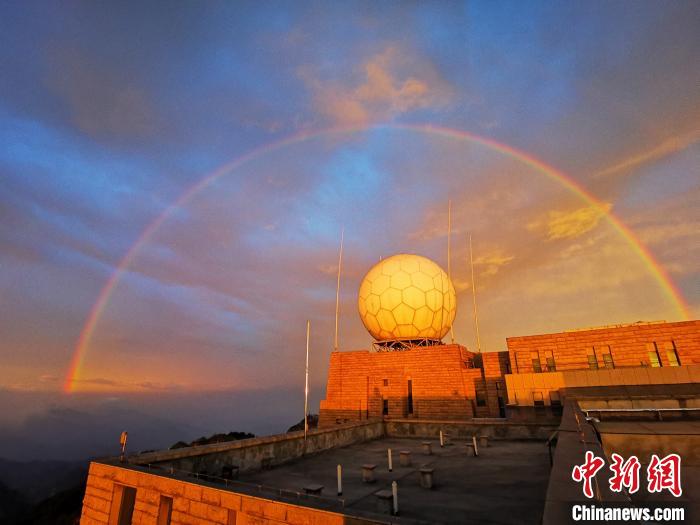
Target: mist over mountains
54	426
48	438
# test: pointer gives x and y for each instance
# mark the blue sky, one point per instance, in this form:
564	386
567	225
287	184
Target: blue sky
108	113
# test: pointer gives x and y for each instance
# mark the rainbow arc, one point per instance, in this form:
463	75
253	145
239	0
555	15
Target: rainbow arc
656	270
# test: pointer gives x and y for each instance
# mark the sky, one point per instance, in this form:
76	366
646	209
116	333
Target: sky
174	185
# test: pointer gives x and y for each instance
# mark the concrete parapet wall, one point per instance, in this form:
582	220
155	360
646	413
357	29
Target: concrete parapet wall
497	429
262	452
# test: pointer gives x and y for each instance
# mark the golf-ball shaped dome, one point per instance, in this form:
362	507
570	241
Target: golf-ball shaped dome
407	297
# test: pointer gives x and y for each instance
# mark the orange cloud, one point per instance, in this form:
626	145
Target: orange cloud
571	224
491	264
391	84
665	148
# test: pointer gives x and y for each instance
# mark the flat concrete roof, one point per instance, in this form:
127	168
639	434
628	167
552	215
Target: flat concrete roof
507	483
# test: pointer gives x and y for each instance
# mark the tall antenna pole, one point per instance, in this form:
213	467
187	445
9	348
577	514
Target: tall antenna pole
476	316
337	289
449	254
306	387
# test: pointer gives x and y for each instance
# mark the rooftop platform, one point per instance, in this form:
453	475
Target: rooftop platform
506	483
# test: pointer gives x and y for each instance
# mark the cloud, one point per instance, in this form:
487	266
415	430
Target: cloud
101	102
491	264
665	148
103	384
391	84
571	224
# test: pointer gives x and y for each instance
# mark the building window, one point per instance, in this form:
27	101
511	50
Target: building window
385	407
165	510
385	382
654	357
671	354
554	398
592	359
549	358
410	396
537	399
231	517
480	399
536	365
123	499
607	357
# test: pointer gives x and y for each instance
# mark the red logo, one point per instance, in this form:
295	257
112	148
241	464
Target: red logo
625	474
587	472
662	473
665	474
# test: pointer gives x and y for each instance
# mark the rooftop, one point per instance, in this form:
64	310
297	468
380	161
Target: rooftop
506	483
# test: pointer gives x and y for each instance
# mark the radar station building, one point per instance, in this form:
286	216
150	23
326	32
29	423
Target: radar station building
444	434
407	303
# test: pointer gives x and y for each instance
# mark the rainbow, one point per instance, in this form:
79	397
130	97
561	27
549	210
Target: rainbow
658	272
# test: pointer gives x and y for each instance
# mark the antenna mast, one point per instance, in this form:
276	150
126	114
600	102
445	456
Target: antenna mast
306	387
449	252
337	289
476	317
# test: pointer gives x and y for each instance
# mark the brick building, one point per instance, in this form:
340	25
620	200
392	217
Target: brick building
437	382
633	354
448	382
633	345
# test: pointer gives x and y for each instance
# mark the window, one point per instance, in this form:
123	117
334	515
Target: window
607	357
123	499
549	358
671	354
501	401
480	399
165	510
385	407
592	359
554	398
410	396
536	365
537	399
231	517
385	382
654	358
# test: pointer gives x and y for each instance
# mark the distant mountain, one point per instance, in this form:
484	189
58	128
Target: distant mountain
41	492
312	420
38	480
216	438
12	505
63	508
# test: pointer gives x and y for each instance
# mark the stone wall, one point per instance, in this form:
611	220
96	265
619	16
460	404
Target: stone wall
491	388
497	429
443	384
192	503
627	345
257	453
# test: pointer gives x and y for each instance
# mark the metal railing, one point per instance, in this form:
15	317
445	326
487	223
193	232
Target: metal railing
650	410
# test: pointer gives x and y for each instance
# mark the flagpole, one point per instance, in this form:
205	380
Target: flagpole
337	289
449	254
476	316
306	387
